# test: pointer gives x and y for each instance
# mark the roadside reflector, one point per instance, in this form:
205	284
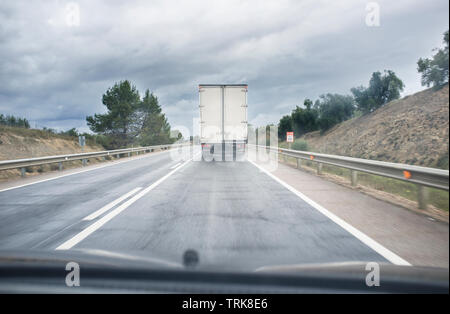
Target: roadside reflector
407	174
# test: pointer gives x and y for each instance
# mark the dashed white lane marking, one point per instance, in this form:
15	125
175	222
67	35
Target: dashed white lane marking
377	247
174	166
107	207
96	225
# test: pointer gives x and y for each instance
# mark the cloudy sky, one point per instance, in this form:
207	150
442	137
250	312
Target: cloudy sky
58	57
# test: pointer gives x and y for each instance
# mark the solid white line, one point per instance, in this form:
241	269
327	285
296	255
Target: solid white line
86	170
377	247
96	225
174	166
111	205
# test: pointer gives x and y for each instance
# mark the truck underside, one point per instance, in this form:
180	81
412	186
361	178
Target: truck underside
225	151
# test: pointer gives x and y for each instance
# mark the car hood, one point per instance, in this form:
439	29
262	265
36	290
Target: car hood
103	258
30	269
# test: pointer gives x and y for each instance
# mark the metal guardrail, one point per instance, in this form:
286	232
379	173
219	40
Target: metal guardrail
28	162
422	176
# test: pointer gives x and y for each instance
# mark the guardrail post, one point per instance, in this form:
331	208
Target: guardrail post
60	166
319	168
117	156
299	163
84	162
22	172
354	175
423	194
129	154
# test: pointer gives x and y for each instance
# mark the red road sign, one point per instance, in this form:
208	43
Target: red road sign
289	137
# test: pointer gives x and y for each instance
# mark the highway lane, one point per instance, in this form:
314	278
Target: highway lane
234	215
38	215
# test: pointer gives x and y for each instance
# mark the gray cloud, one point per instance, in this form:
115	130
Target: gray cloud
55	74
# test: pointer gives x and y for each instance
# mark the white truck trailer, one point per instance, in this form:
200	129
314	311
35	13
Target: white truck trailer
223	121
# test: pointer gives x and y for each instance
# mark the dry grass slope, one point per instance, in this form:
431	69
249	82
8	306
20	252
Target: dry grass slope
412	130
16	143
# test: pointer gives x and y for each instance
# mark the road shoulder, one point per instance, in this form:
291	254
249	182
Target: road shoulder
416	238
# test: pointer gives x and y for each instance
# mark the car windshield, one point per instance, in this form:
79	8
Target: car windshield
226	136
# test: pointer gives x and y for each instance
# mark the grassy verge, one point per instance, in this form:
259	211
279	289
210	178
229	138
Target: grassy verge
437	198
32	134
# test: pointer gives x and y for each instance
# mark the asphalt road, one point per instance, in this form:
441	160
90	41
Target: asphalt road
233	214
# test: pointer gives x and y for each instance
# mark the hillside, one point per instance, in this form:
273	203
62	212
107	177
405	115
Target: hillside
412	130
16	143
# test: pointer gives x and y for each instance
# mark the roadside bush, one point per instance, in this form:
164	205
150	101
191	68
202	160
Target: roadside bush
301	145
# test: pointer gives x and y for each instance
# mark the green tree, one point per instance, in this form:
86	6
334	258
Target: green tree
121	101
14	121
285	125
334	109
308	104
382	89
435	71
304	120
152	125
